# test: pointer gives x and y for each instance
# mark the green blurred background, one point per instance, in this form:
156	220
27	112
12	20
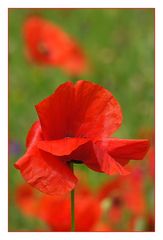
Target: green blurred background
119	44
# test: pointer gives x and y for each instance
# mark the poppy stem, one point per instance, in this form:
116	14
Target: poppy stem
72	205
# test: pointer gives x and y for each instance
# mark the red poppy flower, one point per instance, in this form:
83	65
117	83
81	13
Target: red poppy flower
27	199
48	44
128	198
51	207
75	125
56	211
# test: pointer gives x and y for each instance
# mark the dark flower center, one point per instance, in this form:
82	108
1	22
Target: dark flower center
117	202
76	161
42	48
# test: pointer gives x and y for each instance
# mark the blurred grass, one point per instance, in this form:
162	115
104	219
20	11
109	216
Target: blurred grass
120	46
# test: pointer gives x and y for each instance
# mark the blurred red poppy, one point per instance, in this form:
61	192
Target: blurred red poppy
56	211
75	125
48	44
84	204
127	197
27	199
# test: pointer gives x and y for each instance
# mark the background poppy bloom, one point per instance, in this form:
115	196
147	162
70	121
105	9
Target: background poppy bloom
127	196
56	211
75	125
48	44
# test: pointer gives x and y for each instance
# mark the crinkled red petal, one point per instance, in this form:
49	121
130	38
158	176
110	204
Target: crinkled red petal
98	113
62	147
42	170
81	110
124	150
34	134
46	172
86	154
108	164
56	113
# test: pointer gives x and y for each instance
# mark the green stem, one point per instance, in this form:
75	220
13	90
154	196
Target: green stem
72	206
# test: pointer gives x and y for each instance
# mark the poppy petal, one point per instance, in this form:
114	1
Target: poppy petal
86	154
75	62
124	150
62	147
34	134
95	156
108	164
98	113
46	172
111	167
42	170
55	112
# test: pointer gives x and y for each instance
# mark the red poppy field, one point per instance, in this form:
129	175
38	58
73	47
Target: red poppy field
81	120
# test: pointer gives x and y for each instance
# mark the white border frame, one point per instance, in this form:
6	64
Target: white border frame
4	5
